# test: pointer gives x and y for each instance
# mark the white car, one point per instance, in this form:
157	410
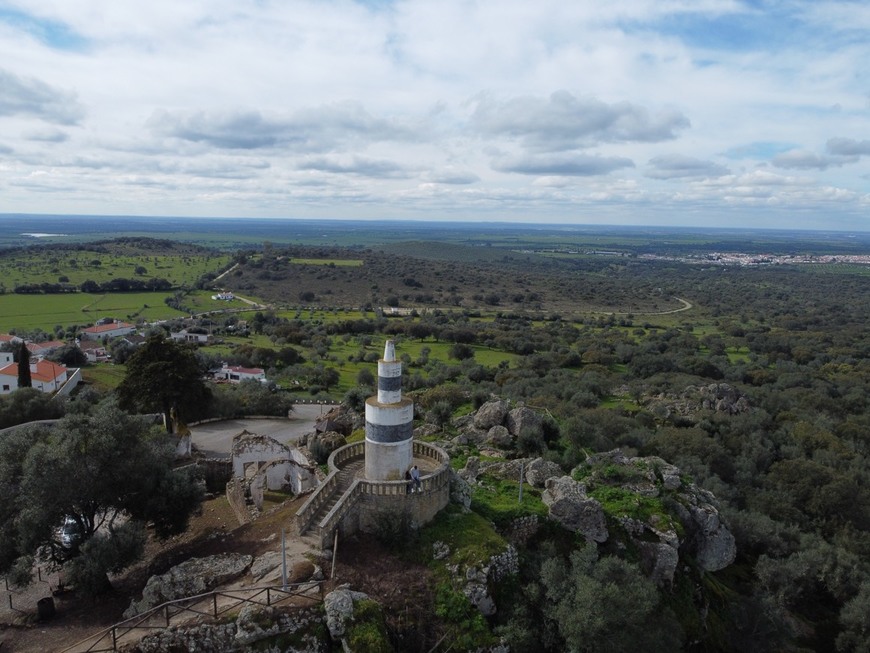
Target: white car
70	532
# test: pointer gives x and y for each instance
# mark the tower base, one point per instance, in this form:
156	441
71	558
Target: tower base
388	461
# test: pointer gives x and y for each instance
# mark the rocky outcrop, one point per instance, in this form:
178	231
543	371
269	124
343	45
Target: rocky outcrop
499	436
526	421
663	515
339	609
257	628
713	544
192	577
476	580
572	508
718	397
539	470
490	414
460	490
342	419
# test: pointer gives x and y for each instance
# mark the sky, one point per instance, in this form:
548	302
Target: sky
719	113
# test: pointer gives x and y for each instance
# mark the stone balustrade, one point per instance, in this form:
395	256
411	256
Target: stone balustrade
434	484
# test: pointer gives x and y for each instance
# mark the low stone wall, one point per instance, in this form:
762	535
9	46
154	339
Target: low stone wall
216	472
238	501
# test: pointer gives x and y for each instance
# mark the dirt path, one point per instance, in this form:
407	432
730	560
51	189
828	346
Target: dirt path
214	531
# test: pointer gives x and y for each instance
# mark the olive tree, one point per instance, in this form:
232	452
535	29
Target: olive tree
107	475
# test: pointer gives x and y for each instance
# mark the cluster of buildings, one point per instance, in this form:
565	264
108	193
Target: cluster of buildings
51	377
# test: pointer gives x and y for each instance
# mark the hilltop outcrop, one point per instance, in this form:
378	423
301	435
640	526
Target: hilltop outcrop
619	502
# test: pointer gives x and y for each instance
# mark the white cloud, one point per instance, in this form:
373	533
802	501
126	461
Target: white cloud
412	108
28	96
676	166
805	160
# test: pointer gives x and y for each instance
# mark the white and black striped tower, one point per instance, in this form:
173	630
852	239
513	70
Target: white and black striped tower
389	423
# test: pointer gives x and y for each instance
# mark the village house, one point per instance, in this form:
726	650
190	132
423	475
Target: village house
94	350
237	374
44	348
10	340
186	336
44	375
108	330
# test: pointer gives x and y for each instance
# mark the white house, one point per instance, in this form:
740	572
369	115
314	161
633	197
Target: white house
44	375
237	374
185	336
94	350
109	330
44	348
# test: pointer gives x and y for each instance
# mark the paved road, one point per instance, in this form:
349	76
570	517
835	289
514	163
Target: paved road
215	439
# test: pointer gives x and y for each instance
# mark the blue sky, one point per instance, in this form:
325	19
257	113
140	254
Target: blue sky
675	112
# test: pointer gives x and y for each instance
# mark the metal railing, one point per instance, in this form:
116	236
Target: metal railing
211	604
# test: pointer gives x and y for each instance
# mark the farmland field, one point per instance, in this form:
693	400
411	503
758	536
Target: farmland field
27	312
76	267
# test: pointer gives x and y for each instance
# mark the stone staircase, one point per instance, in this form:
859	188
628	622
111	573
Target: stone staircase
346	476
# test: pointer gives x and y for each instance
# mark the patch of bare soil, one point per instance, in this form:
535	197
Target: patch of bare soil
403	588
215	530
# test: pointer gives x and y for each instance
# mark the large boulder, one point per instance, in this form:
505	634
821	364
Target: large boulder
539	470
492	413
714	544
338	605
508	470
573	509
524	420
323	444
192	577
499	436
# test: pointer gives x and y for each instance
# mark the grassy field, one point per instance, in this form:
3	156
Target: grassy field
77	267
104	376
29	312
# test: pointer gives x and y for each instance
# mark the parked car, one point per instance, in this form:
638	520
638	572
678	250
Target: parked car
70	533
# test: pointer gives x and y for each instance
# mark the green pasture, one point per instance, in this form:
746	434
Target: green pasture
737	354
104	376
80	266
28	312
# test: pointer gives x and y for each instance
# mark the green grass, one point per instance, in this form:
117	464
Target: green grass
619	502
104	376
28	312
78	267
470	536
737	354
498	501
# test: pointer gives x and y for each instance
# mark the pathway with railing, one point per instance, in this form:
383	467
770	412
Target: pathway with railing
182	611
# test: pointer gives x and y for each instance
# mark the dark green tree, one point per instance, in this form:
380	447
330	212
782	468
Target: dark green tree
607	605
164	376
24	380
107	475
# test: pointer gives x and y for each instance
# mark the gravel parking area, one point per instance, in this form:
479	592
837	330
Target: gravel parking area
215	439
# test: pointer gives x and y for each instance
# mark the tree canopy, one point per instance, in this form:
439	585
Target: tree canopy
109	473
164	376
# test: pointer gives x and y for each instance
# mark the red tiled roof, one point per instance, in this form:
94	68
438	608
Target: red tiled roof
102	328
41	346
46	371
246	370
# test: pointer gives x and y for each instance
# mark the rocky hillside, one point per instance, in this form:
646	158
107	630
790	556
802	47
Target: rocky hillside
485	553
